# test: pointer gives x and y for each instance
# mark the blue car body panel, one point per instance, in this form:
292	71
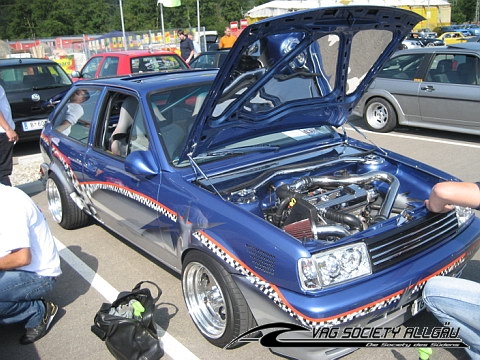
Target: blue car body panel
228	201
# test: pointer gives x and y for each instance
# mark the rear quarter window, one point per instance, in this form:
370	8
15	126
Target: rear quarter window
402	67
156	63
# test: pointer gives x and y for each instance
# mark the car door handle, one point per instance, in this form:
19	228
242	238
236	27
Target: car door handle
428	88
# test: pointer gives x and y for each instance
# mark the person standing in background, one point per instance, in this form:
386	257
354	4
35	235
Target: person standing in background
8	138
196	45
227	40
187	50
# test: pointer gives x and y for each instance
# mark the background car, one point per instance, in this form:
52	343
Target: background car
209	59
474	29
29	84
435	87
426	32
453	37
241	180
410	43
426	40
129	62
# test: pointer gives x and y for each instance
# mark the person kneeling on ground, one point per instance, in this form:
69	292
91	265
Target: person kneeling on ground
29	265
452	300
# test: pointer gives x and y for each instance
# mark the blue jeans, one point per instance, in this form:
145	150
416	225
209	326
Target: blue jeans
21	294
456	301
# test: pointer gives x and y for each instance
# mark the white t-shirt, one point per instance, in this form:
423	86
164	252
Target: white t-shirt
73	113
22	225
5	110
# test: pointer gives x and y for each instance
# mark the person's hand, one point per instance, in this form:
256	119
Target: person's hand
12	135
438	208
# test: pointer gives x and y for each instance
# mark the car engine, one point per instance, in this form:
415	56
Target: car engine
326	207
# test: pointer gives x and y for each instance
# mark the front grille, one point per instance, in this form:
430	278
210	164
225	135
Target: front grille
410	239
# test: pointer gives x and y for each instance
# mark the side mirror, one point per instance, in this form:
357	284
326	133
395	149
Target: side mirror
141	164
75	74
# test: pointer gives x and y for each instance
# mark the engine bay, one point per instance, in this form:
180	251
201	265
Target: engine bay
327	203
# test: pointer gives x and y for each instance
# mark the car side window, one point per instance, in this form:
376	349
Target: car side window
454	69
109	66
74	119
403	67
91	67
123	129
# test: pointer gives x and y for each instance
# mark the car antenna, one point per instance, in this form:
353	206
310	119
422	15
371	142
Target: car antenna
197	170
363	135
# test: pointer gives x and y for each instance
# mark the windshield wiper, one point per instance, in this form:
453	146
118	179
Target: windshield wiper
242	150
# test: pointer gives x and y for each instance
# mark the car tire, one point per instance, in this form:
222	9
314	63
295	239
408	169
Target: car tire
380	115
214	301
431	44
63	209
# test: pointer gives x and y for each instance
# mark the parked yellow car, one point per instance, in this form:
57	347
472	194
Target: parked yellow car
453	37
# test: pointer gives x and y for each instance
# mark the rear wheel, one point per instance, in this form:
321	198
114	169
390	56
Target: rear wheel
64	211
214	301
380	115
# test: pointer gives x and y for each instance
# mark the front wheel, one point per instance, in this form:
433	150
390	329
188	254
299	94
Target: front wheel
63	209
215	303
380	115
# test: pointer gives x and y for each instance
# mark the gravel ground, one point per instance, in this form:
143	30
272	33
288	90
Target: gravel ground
26	169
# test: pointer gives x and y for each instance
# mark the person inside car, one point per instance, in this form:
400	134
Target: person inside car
74	111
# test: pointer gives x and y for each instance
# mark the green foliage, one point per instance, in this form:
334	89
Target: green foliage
463	11
30	19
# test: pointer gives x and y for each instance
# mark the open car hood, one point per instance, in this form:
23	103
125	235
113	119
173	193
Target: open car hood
299	70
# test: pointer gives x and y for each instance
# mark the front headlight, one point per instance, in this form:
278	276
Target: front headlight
463	214
334	266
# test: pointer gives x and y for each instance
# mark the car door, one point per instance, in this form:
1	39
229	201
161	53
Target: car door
72	130
109	67
450	94
125	201
399	78
90	69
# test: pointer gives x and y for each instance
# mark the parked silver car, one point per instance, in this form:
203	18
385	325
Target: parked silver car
433	87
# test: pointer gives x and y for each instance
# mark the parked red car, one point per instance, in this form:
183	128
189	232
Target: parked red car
129	62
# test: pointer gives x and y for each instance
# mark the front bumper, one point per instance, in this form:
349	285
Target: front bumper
385	300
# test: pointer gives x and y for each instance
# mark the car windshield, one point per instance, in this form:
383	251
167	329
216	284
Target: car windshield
33	77
175	110
156	63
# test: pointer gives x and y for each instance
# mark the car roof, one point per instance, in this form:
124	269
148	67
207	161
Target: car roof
146	82
23	61
466	46
212	52
134	53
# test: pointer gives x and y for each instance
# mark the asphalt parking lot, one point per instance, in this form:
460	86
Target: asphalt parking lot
96	265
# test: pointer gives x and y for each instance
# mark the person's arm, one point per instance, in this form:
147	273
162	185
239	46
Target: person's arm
445	195
17	258
11	134
192	52
65	124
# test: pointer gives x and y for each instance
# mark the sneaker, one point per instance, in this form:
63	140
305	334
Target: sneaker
33	334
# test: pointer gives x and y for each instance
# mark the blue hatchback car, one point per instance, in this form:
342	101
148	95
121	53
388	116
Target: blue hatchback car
242	180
